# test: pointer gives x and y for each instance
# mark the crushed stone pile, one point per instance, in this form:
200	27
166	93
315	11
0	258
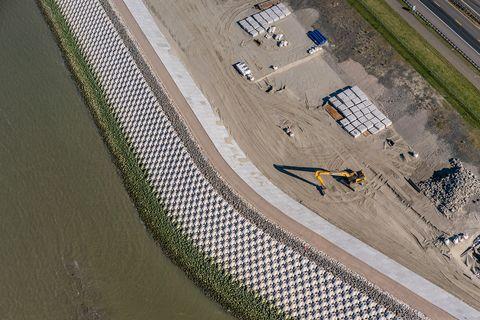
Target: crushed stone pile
451	188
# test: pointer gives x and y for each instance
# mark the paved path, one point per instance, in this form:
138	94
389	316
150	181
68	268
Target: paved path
441	46
286	212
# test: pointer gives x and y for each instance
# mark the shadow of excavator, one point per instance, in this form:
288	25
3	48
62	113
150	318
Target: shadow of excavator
289	171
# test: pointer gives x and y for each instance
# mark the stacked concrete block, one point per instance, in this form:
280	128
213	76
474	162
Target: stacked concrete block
272	14
360	114
257	23
300	285
266	17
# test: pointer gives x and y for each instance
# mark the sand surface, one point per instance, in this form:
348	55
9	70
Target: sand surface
387	213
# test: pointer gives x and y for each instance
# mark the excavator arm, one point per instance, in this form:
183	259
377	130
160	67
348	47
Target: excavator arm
349	177
318	175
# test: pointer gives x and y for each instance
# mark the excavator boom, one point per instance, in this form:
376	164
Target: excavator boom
349	177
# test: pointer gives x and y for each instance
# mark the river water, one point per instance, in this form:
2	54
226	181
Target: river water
71	243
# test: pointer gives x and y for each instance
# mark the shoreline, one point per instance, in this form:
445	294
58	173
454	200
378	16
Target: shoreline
136	185
182	253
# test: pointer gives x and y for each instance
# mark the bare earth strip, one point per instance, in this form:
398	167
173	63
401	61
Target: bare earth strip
271	212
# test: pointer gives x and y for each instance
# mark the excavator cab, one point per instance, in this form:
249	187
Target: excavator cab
347	177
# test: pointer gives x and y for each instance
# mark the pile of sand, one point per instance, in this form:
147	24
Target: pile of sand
451	188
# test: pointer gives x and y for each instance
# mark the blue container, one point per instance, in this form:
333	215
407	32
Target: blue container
317	37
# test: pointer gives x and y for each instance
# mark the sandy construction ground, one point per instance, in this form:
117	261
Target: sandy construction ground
386	212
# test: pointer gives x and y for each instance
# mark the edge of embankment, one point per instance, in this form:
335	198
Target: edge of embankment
217	285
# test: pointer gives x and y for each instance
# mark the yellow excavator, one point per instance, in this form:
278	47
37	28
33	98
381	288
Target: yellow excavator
347	177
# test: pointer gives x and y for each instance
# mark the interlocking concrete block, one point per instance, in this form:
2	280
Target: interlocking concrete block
349	127
387	122
368	124
362	128
346	112
354	109
351	117
344	122
355	133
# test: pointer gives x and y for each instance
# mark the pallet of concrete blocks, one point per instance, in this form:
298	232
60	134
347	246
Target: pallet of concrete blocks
248	27
244	70
278	12
257	23
272	15
261	21
360	114
284	9
266	17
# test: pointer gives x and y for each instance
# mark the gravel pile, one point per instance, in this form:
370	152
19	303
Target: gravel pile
451	188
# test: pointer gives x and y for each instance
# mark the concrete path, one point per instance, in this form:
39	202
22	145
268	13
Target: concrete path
424	296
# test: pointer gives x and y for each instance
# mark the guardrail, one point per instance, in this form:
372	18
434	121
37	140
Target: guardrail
421	16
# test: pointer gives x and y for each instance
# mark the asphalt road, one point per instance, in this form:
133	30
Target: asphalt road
459	23
441	46
474	5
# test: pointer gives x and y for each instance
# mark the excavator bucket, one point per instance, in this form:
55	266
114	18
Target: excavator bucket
347	177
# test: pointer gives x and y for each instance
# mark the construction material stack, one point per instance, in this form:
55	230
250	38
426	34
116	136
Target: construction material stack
266	4
360	114
317	37
244	70
258	23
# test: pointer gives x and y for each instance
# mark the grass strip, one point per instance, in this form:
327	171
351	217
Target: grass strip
203	271
442	75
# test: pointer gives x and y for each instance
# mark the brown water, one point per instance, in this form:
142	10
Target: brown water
71	243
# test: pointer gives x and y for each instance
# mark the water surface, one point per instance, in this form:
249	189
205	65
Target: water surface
71	243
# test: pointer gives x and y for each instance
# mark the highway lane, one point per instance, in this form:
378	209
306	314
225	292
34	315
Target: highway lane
431	11
442	47
460	18
474	5
460	24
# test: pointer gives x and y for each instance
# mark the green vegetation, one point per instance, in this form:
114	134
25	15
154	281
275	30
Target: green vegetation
178	247
456	89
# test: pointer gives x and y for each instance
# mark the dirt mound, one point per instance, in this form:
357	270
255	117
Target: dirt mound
451	188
